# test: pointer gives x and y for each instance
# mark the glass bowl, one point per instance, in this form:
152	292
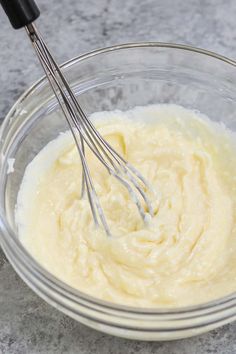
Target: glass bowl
118	77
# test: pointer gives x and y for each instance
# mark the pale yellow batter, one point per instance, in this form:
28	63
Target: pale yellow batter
186	254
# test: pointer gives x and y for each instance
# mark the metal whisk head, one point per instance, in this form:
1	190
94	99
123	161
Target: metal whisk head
83	130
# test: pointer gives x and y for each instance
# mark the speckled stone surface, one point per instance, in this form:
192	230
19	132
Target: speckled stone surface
71	27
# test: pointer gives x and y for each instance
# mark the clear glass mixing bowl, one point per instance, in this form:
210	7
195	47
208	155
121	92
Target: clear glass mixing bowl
119	77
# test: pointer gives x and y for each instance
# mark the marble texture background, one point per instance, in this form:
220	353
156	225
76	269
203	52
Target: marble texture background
72	27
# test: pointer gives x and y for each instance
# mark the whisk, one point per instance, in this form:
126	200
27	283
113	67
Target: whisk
22	13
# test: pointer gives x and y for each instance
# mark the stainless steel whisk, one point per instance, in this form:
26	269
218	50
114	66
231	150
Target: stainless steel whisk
22	13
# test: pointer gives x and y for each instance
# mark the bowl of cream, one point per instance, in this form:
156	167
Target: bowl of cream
170	111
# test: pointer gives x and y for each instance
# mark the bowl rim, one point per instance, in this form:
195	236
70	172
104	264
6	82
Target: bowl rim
58	285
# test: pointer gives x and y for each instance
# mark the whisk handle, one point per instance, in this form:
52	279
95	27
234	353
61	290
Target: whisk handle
20	12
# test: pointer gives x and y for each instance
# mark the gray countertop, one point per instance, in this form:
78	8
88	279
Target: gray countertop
71	27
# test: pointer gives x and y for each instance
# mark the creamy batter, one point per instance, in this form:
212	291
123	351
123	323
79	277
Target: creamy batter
185	255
